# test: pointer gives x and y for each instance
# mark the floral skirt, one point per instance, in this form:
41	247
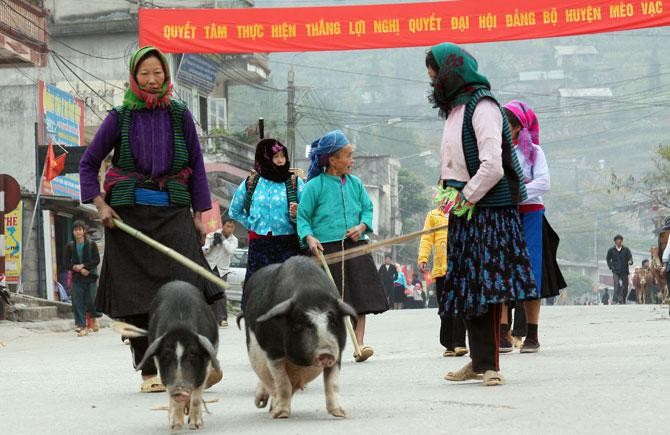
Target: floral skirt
487	263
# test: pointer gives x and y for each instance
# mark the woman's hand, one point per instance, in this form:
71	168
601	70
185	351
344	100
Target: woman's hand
105	212
460	197
423	266
200	229
314	245
293	209
356	232
84	272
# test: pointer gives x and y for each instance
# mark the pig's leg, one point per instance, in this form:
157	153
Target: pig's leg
262	395
281	399
259	362
176	412
331	382
195	411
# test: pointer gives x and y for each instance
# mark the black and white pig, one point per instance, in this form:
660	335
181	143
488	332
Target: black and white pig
294	322
183	340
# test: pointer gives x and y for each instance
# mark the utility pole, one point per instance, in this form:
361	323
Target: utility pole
595	241
290	117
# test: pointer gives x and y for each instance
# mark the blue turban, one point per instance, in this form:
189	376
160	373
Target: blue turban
322	148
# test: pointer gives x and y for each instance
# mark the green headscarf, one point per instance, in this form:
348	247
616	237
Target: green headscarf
457	78
137	98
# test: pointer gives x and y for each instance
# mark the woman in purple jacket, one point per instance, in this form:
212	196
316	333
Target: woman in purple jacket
157	184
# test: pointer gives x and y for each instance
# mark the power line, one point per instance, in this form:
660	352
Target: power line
342	71
60	41
76	91
61	57
55	56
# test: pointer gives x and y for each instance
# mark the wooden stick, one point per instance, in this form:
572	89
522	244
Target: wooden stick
347	320
336	257
179	258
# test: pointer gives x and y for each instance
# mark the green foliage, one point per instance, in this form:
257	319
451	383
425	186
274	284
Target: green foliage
414	202
652	188
579	286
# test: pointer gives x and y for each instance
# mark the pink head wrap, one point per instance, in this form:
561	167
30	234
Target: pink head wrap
530	128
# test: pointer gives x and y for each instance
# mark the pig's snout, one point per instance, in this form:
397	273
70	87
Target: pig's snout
324	360
181	396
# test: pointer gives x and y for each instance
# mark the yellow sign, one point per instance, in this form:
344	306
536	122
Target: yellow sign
13	244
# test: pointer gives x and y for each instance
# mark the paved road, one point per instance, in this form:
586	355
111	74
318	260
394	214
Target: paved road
602	369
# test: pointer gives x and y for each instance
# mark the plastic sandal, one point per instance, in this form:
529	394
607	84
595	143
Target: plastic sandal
152	385
366	352
466	373
460	351
214	377
493	378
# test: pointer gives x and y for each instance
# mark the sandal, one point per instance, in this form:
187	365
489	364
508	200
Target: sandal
466	373
493	378
366	352
460	351
214	377
448	353
152	385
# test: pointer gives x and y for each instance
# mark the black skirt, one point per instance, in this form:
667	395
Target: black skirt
132	271
363	288
552	278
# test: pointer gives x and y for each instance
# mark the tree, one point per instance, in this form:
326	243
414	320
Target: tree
414	203
579	287
653	188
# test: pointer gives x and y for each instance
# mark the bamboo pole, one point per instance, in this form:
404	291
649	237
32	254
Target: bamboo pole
347	320
337	257
179	258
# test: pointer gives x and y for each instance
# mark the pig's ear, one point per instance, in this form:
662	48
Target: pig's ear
346	309
150	352
205	343
279	310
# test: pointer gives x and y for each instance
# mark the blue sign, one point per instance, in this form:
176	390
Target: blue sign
199	72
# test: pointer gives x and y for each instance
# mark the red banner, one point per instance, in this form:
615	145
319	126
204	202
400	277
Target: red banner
299	29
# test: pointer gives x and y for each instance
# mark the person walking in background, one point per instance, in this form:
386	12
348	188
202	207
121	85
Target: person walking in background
219	249
399	289
452	328
82	258
618	259
336	214
157	184
388	274
266	203
481	185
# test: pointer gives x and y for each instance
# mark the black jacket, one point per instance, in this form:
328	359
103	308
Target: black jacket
388	276
90	261
618	261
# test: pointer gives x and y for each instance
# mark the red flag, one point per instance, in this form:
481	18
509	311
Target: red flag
212	217
54	165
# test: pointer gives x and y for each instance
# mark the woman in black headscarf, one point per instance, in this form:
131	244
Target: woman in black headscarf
266	203
481	187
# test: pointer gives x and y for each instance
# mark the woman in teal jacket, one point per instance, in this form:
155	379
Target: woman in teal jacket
335	214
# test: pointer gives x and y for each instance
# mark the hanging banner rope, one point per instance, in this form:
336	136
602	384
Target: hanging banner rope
265	30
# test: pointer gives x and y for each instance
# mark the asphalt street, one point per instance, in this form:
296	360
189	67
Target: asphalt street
601	369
